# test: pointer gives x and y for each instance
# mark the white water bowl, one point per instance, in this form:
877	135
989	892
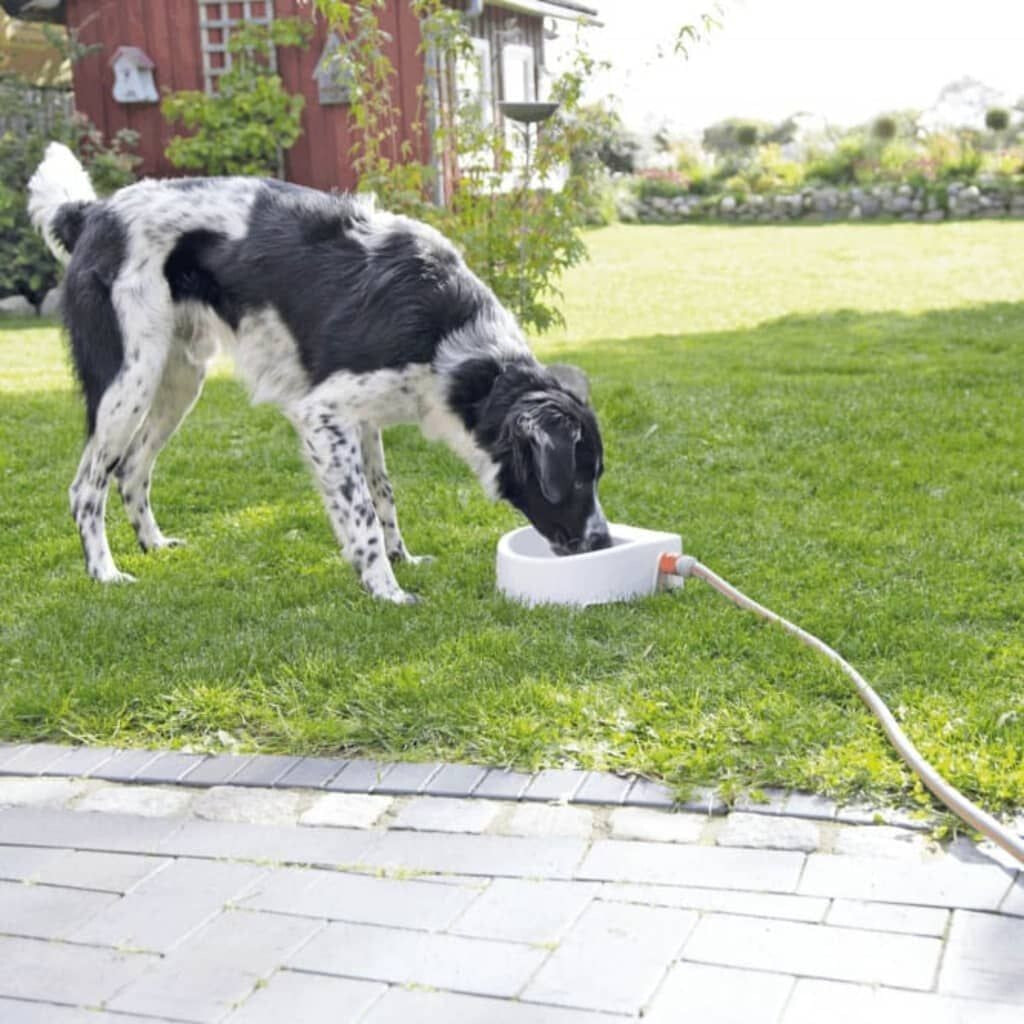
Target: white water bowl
530	572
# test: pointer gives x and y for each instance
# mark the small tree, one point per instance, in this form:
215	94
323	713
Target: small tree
244	126
997	119
884	128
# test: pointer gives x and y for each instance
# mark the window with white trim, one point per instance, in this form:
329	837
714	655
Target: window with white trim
474	80
518	73
216	19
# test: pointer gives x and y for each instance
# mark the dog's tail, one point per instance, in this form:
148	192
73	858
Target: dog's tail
59	194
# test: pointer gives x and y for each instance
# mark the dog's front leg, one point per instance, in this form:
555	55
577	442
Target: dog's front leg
376	471
334	451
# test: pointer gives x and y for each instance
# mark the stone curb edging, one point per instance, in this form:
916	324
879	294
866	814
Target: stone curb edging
384	778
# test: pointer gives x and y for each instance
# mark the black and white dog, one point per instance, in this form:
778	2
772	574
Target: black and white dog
347	318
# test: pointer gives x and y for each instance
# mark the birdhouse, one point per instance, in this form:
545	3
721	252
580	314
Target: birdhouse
133	76
330	74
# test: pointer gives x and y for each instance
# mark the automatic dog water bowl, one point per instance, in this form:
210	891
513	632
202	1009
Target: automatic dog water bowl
530	572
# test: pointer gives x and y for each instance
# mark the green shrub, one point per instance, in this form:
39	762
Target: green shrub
997	119
26	266
651	184
884	128
848	164
245	125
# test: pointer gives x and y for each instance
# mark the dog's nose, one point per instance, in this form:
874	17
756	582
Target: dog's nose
597	541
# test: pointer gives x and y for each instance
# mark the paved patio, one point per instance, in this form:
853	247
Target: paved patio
123	902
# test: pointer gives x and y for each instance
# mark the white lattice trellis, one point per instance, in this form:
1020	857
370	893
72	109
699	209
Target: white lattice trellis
216	19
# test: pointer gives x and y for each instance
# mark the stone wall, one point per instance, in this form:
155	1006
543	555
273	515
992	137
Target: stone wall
828	203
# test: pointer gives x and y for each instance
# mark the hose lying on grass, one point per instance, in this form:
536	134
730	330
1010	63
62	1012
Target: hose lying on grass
679	567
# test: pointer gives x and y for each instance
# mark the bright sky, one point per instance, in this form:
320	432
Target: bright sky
845	59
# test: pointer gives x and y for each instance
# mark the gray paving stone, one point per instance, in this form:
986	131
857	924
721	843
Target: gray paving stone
359	776
33	759
346	810
36	969
645	793
45	911
330	847
419	958
790	947
1014	902
360	899
554	784
218	968
9	751
23	863
939	883
445	814
165	909
119	833
124	765
984	958
497	856
603	788
880	841
888	917
217	770
248	805
855	1004
407	778
612	860
810	805
535	819
264	770
19	1011
291	996
147	801
312	772
769	832
169	767
719	995
860	814
727	901
703	801
455	780
656	826
525	911
613	958
80	761
415	1006
102	872
772	801
500	784
38	792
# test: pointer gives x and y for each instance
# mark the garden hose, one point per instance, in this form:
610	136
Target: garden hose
675	568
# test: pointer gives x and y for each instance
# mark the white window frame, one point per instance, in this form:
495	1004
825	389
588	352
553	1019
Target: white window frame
519	72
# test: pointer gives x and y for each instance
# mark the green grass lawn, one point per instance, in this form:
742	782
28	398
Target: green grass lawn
832	418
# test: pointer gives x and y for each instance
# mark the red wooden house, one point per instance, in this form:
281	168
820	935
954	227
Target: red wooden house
180	44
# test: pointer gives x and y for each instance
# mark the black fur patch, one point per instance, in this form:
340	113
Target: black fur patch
354	296
97	348
68	223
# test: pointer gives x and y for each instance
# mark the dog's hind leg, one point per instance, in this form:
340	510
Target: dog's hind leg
376	472
333	449
145	319
179	388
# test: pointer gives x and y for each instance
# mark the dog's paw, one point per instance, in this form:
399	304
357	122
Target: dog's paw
404	597
161	542
115	576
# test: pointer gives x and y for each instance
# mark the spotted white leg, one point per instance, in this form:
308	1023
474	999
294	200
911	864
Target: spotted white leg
333	449
179	388
383	495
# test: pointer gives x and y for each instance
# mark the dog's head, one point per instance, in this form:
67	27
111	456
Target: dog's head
549	454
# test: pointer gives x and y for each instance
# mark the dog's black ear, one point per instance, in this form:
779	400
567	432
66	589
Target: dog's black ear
573	379
553	450
472	381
